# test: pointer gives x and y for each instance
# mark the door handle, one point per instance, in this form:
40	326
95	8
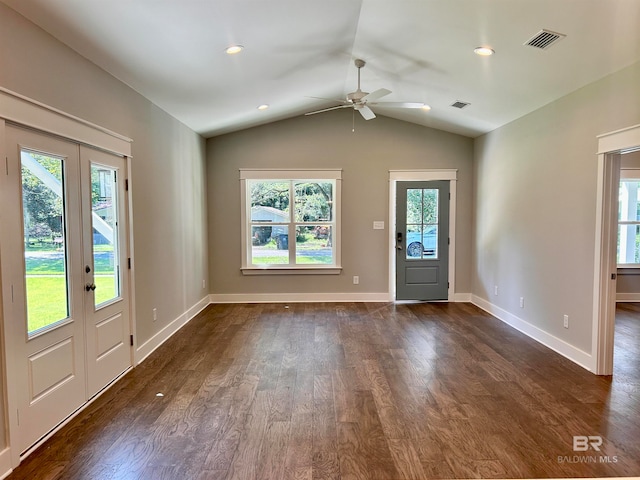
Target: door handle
89	287
399	241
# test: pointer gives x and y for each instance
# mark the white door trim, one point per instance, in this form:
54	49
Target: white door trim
610	146
422	175
23	111
31	113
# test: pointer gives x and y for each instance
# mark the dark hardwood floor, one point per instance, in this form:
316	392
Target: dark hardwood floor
354	391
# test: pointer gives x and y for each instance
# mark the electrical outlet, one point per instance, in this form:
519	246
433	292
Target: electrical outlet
521	302
495	290
566	321
356	279
155	314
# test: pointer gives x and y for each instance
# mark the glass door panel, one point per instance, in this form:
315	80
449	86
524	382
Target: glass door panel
422	223
104	219
45	245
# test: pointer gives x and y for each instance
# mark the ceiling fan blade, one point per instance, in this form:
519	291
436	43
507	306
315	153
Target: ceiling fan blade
366	112
397	104
328	99
328	109
381	92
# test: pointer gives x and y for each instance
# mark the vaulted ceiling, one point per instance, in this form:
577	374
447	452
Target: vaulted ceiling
173	53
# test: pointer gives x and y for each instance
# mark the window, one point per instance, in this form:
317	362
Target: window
629	219
290	221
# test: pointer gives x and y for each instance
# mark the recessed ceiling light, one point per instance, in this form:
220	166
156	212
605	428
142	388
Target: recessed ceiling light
425	107
264	106
233	49
484	51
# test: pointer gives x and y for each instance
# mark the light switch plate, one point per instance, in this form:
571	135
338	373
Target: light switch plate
378	225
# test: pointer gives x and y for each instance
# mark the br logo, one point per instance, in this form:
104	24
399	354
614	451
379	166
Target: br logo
582	443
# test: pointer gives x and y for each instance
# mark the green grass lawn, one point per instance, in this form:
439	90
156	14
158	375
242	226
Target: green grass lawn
305	243
47	290
47	298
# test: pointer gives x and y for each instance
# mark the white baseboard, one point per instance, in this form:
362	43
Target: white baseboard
627	297
462	297
147	348
297	297
565	349
5	463
382	297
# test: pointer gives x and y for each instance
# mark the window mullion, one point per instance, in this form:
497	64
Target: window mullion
292	224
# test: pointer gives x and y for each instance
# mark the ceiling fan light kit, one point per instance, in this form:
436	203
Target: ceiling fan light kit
363	101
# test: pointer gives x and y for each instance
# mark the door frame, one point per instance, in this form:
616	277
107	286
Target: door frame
610	146
396	176
27	113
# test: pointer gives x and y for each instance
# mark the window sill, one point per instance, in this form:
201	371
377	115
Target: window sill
288	270
629	269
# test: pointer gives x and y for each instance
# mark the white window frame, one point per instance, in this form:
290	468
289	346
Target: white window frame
287	175
628	174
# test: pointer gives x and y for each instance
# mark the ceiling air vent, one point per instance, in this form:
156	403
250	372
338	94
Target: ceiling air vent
544	39
459	104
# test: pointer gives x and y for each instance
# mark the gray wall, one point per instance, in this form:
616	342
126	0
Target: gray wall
168	178
535	200
366	156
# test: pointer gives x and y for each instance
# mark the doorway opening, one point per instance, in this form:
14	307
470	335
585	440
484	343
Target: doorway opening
611	147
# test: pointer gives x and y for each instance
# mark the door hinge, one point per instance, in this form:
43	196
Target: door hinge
115	177
131	338
448	241
613	276
447	284
6	165
126	184
129	263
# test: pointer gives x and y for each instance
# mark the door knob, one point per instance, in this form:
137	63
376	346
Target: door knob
90	287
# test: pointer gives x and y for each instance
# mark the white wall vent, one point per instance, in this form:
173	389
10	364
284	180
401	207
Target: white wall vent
544	39
459	104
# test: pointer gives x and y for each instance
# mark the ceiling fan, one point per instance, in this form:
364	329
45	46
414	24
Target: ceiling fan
362	101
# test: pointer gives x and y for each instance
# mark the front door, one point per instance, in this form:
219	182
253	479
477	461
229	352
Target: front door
70	298
422	240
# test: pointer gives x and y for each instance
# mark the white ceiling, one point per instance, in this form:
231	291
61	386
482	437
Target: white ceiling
172	52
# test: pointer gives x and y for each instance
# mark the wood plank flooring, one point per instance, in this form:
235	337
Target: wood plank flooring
354	391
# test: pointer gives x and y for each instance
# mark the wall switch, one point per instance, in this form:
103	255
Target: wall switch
356	279
378	225
495	290
155	314
566	321
204	283
521	302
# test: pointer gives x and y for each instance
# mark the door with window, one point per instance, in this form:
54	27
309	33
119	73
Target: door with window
68	333
422	240
106	305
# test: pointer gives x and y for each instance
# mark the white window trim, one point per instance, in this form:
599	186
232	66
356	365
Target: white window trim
628	174
289	174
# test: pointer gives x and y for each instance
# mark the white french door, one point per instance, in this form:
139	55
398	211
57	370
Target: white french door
106	306
69	326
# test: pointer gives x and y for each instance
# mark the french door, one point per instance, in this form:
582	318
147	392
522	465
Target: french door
422	240
68	334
